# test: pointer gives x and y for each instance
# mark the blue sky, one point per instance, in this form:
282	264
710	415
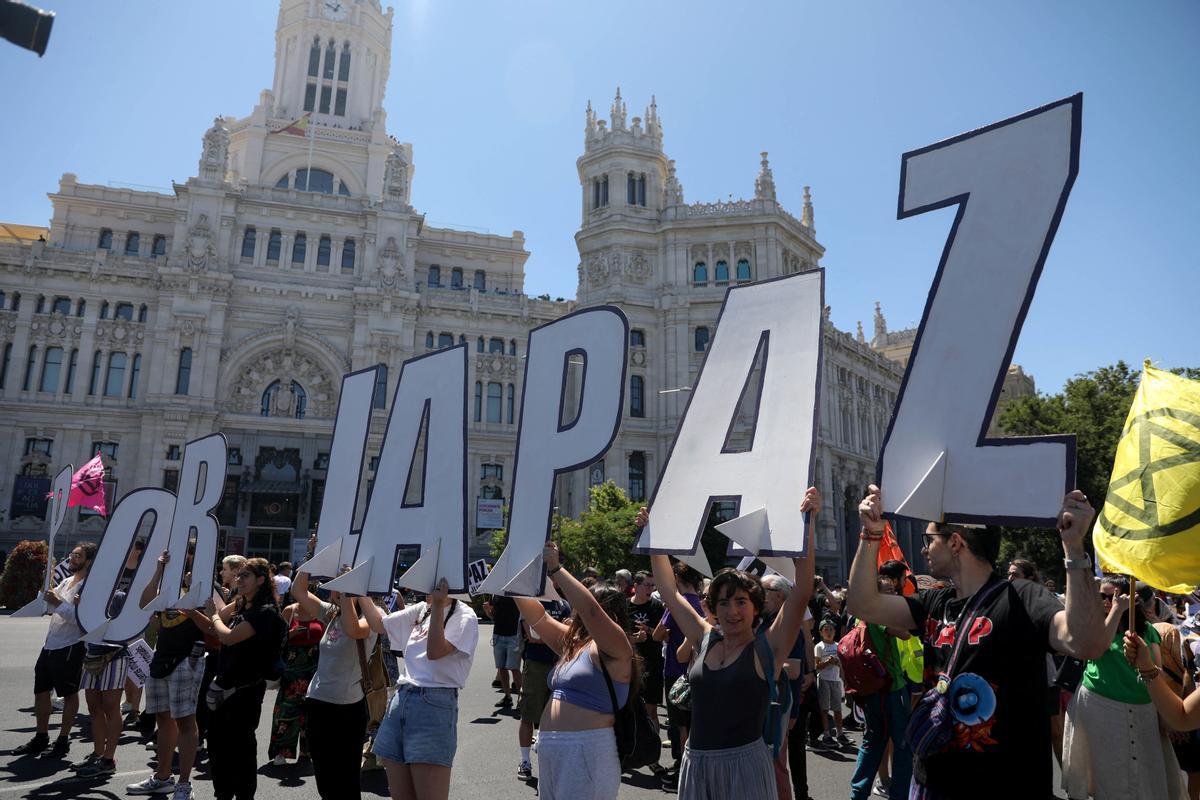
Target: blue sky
492	96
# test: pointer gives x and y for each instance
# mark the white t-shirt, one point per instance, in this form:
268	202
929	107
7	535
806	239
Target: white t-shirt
833	672
64	626
411	627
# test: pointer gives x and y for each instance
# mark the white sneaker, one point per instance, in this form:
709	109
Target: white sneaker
126	708
183	791
56	704
153	785
279	761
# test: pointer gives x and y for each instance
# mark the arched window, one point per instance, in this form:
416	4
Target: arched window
344	63
478	401
80	307
16	302
105	242
299	248
51	369
512	347
493	402
435	275
248	240
104	309
512	401
429	340
631	189
743	270
324	249
30	366
314	60
481	280
496	345
71	367
134	372
133	243
124	311
479	346
330	58
700	273
160	246
143	313
315	180
4	364
456	278
285	182
94	383
722	272
445	340
348	256
604	191
380	398
637	396
641	190
114	377
274	246
637	475
61	305
299	399
40	308
183	375
701	339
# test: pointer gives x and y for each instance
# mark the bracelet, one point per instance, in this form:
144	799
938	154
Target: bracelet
533	625
867	536
1078	563
550	574
1149	675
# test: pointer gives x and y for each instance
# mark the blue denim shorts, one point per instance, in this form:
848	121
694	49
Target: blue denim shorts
506	650
421	727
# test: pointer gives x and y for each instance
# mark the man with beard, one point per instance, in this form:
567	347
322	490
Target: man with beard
1000	734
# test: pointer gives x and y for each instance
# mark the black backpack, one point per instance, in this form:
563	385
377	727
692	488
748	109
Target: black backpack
638	741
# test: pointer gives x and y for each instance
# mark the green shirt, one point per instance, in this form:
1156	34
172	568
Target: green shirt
1113	677
885	648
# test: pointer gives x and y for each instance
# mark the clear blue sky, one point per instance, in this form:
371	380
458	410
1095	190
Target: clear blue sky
492	97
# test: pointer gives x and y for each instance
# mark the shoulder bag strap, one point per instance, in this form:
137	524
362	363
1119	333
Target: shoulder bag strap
612	693
362	664
968	614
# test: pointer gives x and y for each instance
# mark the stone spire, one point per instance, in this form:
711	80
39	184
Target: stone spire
673	189
860	337
764	184
618	112
880	325
653	124
589	127
806	215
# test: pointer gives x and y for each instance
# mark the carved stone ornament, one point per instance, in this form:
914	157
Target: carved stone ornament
119	332
495	365
200	247
391	271
597	268
637	269
291	320
286	366
395	177
215	155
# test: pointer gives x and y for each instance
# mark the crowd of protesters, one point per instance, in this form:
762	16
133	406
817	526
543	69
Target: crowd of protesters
970	687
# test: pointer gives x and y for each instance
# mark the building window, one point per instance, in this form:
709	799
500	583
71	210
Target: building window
637	396
321	461
326	95
71	367
481	280
106	449
743	270
339	103
637	475
134	373
248	239
701	339
512	402
30	366
315	180
603	191
40	308
493	472
16	302
512	347
310	97
51	369
143	312
344	63
234	457
61	305
429	340
380	398
324	248
104	309
173	453
722	272
478	401
435	275
641	190
299	401
700	273
133	243
80	307
314	60
38	446
94	383
2	298
160	246
630	189
479	345
170	480
348	256
637	337
105	242
496	345
183	375
445	340
456	278
330	57
114	378
299	248
493	402
4	364
274	245
124	311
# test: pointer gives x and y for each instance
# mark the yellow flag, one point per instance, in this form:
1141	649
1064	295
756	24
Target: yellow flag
1150	524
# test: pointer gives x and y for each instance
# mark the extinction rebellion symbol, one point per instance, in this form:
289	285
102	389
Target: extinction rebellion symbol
1166	438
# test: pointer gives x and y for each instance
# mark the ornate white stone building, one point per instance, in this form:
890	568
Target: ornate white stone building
140	320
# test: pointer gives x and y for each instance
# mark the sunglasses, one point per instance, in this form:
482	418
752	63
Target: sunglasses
1106	597
248	576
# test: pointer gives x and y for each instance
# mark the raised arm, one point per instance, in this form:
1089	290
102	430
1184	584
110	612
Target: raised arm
439	600
692	625
786	626
151	590
355	626
544	626
863	599
610	637
309	603
1181	715
374	620
1078	630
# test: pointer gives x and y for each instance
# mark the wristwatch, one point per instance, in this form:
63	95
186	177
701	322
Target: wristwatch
1078	563
551	572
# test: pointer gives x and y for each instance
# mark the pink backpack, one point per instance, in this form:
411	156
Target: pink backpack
863	672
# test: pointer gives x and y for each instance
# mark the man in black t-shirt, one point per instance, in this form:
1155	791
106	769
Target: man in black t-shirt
506	645
1000	742
645	612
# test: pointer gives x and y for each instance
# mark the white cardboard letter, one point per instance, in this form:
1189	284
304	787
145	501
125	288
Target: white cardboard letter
59	492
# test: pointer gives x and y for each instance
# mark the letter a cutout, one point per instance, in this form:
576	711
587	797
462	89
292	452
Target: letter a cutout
1010	182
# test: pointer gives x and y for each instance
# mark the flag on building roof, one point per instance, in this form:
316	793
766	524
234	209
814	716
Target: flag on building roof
298	126
1150	524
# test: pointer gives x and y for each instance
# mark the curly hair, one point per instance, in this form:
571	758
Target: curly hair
613	602
726	583
265	595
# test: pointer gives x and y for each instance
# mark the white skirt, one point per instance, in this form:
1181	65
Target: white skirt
1115	750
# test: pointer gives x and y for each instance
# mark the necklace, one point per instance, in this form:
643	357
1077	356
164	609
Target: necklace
725	647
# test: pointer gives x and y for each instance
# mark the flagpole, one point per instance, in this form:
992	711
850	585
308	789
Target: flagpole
1132	602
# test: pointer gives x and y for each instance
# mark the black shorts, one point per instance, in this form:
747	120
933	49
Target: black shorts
59	670
652	685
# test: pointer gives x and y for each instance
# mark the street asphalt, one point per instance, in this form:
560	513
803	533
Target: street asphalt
485	766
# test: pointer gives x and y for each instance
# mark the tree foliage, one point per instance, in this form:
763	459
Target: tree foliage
1093	406
24	572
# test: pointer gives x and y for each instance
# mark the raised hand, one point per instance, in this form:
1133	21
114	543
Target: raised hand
551	556
439	598
642	518
1075	519
870	510
1137	652
811	501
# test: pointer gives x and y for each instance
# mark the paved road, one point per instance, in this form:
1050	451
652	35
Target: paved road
484	768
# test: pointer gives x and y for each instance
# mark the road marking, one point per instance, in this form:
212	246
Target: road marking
67	779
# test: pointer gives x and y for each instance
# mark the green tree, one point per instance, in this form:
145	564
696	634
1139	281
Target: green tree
1093	406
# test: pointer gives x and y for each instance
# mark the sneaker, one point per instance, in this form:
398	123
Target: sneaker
826	741
153	785
278	761
78	765
132	718
60	748
100	768
56	704
126	707
496	684
844	740
881	788
505	702
524	770
183	791
37	744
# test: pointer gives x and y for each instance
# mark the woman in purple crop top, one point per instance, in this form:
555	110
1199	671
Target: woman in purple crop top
725	755
577	748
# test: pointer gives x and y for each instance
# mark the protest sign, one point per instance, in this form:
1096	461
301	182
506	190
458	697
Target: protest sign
476	572
140	656
1010	182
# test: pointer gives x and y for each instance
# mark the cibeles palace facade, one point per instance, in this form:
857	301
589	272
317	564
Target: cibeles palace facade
141	320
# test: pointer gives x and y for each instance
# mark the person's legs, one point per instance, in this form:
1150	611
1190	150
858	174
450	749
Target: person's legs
91	698
430	781
189	740
797	758
899	709
870	752
783	784
335	735
70	709
41	712
168	738
248	703
399	778
110	705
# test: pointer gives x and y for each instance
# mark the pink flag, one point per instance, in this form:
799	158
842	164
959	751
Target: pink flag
87	487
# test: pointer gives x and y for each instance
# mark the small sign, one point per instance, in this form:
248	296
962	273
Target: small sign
489	514
299	550
29	497
140	655
476	572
